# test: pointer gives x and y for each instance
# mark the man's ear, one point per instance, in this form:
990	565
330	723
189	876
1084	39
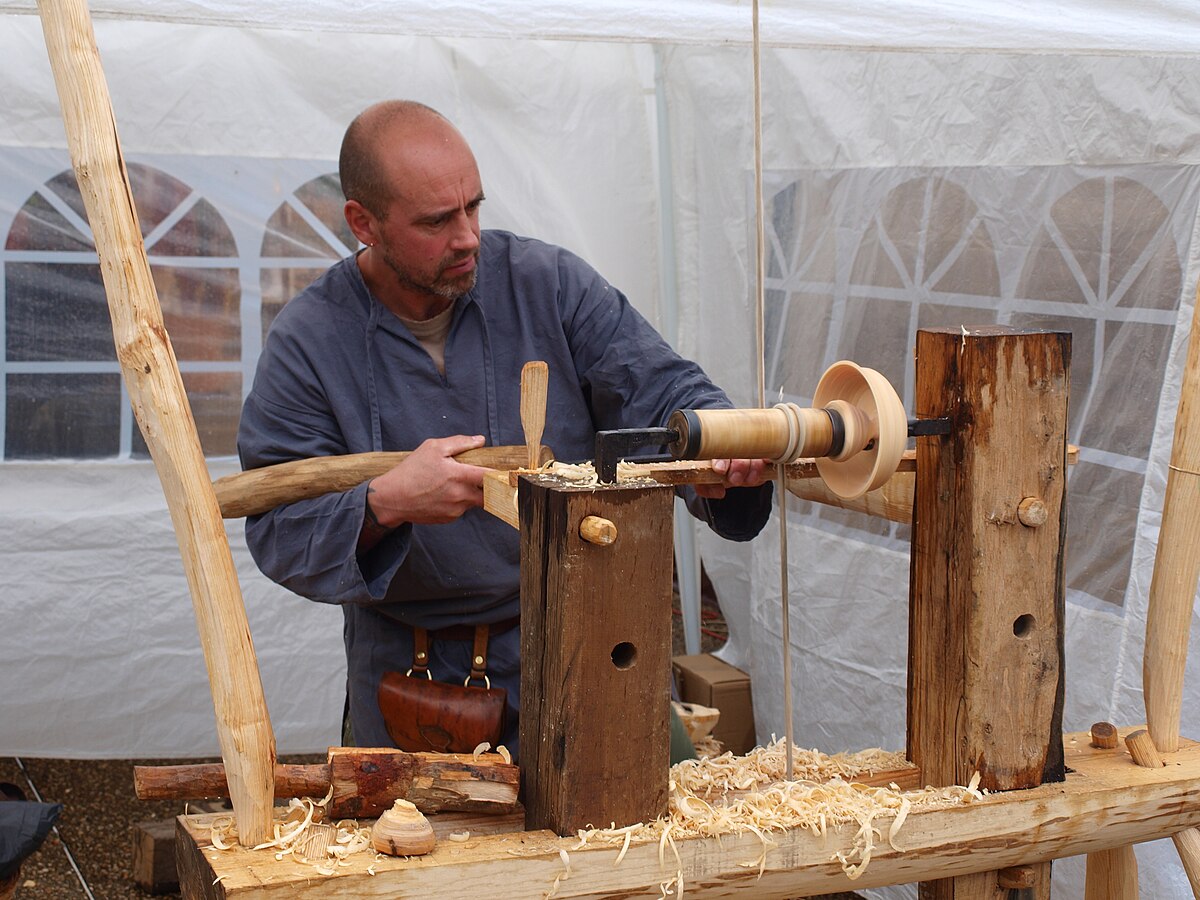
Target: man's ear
362	222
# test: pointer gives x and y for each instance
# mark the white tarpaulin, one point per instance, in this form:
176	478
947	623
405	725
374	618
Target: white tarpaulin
925	163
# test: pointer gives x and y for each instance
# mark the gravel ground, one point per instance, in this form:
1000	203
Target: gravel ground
93	840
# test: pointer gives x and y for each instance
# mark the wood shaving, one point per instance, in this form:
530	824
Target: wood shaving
824	794
584	474
293	827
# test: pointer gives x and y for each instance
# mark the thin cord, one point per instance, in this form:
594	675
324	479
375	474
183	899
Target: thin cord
759	216
760	335
67	850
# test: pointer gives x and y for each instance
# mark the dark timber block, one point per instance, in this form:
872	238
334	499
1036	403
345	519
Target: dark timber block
595	655
154	856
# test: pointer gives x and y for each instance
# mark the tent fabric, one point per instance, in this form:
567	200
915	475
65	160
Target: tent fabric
1151	26
924	164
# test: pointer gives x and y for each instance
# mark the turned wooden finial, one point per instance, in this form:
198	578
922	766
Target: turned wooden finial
402	831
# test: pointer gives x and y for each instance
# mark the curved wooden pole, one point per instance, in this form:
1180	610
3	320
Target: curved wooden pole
161	407
258	490
1176	564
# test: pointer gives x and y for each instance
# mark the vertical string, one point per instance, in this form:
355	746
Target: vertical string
761	356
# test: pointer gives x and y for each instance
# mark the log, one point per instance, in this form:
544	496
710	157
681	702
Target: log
365	782
985	648
258	490
160	405
1105	802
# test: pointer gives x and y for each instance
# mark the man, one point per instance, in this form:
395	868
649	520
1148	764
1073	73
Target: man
417	341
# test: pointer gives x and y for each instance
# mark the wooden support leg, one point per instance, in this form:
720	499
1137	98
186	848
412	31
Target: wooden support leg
986	612
1111	875
160	404
595	655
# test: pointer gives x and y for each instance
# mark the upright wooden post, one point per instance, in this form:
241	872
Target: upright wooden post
595	655
986	614
160	404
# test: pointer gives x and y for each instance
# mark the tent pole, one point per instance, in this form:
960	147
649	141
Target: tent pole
160	403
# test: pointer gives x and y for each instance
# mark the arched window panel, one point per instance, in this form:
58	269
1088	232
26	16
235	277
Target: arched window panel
858	260
63	390
1108	248
304	235
57	415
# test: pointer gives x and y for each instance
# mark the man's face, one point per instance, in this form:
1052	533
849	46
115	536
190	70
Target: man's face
429	231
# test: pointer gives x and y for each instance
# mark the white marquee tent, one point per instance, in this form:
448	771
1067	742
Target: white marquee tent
925	162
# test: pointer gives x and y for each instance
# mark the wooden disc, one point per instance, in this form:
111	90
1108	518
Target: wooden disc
886	436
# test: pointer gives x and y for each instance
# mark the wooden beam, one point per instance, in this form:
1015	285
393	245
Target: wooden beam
987	605
595	655
160	405
1107	801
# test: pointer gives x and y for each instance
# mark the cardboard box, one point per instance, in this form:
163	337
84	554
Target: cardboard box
702	678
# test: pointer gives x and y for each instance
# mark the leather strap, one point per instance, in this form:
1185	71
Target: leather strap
420	665
479	656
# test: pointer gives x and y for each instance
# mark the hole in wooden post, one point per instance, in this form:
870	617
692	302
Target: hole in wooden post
1023	625
624	655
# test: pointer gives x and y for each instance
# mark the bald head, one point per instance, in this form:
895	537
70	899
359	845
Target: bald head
361	167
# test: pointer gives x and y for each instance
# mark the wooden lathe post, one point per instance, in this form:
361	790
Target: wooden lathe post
986	615
595	655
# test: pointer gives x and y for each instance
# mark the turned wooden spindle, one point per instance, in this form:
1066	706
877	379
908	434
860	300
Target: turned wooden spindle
856	431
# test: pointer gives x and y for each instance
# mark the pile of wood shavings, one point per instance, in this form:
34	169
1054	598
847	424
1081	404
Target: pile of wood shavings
584	474
825	798
293	828
763	766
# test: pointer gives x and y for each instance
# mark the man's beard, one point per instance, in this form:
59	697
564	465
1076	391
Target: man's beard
447	288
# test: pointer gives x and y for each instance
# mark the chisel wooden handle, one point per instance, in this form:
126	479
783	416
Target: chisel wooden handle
535	381
258	490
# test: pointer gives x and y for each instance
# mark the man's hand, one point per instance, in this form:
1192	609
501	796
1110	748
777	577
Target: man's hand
737	472
429	487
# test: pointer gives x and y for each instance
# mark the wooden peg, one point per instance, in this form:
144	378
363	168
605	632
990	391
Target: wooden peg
1142	749
1104	735
596	530
1032	512
1016	878
535	381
